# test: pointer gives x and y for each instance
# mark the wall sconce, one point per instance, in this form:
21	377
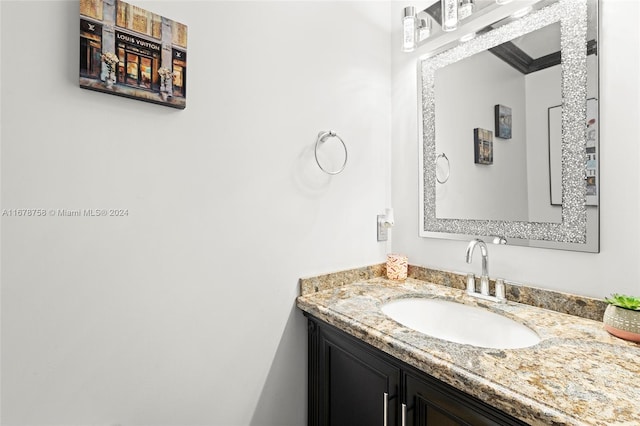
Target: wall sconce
424	30
409	29
466	8
468	17
413	31
449	15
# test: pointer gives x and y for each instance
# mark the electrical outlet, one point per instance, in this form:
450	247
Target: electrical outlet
383	231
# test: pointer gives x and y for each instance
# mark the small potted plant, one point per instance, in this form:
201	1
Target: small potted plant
622	317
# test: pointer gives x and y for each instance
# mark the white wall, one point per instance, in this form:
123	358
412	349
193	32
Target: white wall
183	312
543	91
465	101
616	267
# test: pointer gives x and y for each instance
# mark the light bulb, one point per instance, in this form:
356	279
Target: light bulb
449	15
424	31
465	9
409	28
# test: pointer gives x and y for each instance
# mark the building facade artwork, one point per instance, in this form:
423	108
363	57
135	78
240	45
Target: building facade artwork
128	51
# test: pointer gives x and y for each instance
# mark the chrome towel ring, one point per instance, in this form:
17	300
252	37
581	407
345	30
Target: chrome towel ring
448	169
322	137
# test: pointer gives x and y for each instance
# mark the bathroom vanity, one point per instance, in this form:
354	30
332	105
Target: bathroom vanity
365	368
356	384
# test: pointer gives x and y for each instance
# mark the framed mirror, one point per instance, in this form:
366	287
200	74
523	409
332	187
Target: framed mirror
509	131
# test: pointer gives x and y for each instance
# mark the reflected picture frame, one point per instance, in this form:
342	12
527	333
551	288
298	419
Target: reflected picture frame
482	146
503	121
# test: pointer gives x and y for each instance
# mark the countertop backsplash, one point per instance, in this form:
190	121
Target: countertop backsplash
581	306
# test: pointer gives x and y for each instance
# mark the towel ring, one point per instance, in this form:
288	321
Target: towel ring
448	173
322	137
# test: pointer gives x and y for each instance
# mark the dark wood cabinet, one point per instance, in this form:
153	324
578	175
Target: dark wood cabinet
351	383
431	402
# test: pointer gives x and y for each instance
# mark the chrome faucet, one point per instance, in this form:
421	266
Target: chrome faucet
484	278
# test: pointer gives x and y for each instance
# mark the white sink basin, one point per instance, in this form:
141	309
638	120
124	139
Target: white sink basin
460	323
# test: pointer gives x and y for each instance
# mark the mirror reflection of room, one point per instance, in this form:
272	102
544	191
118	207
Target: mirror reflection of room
494	104
502	151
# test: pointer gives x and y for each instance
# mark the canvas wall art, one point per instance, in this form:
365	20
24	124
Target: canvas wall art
502	121
483	146
129	51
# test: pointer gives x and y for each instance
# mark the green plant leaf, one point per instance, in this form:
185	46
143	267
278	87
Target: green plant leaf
623	301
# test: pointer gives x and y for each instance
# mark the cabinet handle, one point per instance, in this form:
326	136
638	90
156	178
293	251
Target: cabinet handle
404	414
385	408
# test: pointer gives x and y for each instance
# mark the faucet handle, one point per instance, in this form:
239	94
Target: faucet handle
500	290
484	285
471	283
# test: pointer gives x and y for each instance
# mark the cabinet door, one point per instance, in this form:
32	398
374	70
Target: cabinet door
430	402
352	383
356	386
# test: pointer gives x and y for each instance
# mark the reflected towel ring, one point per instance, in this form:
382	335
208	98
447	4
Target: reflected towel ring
448	173
322	137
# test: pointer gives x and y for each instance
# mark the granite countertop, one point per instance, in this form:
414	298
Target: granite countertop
577	375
